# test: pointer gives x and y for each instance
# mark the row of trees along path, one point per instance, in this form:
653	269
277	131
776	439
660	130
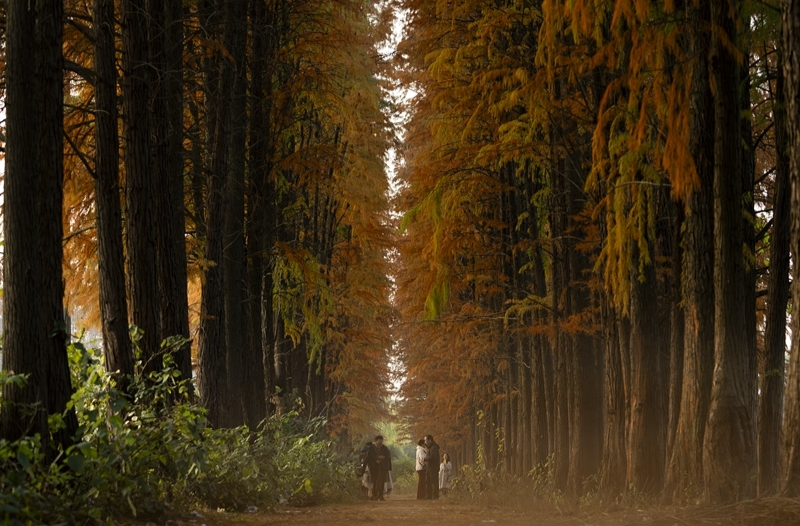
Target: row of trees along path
591	275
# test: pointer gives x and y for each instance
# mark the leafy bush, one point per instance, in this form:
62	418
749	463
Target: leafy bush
404	475
150	448
478	484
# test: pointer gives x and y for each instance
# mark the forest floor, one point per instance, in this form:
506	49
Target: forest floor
404	510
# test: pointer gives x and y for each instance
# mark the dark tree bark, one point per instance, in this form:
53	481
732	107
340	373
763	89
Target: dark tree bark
613	467
525	426
50	233
110	254
728	448
561	349
542	372
748	175
587	406
211	349
165	35
140	183
790	455
537	428
770	414
233	252
677	333
175	101
586	429
24	350
686	463
646	436
161	163
255	405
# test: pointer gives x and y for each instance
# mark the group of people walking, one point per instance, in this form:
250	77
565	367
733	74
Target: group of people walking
433	473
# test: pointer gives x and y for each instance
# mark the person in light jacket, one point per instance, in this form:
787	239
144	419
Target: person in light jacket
422	453
445	474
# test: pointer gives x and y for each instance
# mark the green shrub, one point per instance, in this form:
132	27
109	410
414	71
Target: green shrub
404	475
149	449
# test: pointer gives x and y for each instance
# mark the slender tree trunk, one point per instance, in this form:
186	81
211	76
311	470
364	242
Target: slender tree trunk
139	183
166	120
50	233
233	252
526	426
728	448
211	348
770	414
175	102
790	455
560	343
163	167
677	333
255	406
541	386
747	219
561	378
110	254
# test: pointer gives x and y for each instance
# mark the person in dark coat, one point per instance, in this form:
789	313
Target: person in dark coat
379	461
432	463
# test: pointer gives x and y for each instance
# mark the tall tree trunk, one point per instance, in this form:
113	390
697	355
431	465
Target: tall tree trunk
728	448
560	343
140	183
233	252
747	219
166	121
255	407
548	381
23	340
770	411
175	102
541	362
790	456
677	333
162	166
110	253
526	426
586	427
211	348
686	464
50	182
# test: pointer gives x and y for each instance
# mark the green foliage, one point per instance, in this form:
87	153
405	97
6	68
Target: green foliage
150	449
404	474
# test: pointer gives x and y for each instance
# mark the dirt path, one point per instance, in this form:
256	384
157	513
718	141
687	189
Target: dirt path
403	510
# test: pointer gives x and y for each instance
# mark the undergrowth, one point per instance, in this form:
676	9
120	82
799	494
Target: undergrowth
537	494
537	491
151	451
404	475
